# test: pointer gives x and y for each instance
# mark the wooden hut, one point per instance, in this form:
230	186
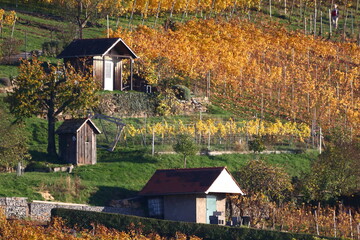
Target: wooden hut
104	56
77	141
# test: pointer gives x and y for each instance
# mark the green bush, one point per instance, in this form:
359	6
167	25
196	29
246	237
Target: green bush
37	167
182	92
52	48
127	103
257	145
166	228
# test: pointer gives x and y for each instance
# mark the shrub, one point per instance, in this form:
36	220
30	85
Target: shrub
52	48
256	145
10	47
37	167
85	219
182	92
5	82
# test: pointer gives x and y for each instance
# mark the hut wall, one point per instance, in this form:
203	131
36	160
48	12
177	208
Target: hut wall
67	148
118	75
98	71
80	64
86	152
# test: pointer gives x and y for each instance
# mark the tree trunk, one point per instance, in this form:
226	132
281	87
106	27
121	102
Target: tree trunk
184	161
51	148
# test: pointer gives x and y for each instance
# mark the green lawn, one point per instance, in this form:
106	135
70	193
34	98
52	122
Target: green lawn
124	172
121	173
8	71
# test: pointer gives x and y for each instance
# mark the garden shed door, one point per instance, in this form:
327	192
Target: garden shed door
109	76
210	206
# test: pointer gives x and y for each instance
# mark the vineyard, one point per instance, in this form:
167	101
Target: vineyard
22	229
215	134
262	71
337	221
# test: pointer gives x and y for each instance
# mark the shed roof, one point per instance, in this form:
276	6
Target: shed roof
74	125
191	180
96	47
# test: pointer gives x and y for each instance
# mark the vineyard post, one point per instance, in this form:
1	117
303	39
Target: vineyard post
153	142
232	11
321	23
13	27
273	220
185	12
262	105
315	17
352	22
26	45
157	13
172	8
330	25
316	223
145	125
107	26
334	222
208	84
209	138
346	17
351	227
145	13
117	22
320	140
132	13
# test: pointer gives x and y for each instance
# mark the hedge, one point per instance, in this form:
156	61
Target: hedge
167	228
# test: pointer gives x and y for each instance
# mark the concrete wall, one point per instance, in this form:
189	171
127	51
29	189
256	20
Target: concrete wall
180	208
41	210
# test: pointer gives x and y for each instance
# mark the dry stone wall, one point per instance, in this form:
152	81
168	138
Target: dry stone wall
41	210
15	207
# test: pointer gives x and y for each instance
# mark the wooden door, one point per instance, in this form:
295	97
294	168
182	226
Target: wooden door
109	76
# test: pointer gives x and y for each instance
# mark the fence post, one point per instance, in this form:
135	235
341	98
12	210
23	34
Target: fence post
153	143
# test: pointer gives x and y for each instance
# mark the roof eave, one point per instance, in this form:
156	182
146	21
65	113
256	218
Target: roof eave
112	46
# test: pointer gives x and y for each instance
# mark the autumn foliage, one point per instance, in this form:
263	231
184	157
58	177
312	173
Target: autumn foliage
56	229
261	69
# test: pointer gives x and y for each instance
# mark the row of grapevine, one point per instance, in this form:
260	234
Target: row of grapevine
336	221
257	69
223	129
24	229
7	18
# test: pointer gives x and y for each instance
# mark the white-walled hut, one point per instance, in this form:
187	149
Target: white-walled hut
190	194
104	56
77	141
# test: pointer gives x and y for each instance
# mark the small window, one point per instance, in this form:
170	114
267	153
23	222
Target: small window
108	69
156	207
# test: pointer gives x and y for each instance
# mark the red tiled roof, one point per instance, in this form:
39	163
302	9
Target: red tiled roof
181	181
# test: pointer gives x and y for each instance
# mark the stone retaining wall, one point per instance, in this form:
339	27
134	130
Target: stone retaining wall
14	207
41	210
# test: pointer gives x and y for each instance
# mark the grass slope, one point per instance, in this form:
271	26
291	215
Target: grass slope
121	173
